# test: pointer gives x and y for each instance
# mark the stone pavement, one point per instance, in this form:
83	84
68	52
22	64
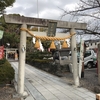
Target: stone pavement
43	86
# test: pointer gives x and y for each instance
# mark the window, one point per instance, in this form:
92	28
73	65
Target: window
87	53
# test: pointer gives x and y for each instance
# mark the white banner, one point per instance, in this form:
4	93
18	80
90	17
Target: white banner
1	34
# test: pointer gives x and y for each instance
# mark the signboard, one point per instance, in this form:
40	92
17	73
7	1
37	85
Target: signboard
1	34
52	29
1	52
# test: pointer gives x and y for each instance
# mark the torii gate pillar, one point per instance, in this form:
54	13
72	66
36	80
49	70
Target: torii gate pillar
74	58
21	66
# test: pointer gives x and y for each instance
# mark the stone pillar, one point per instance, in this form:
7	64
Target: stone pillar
21	66
74	58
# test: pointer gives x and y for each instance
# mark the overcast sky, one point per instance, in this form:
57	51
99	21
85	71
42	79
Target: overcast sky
49	9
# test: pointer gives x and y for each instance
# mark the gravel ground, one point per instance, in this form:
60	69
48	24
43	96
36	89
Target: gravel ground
90	80
7	92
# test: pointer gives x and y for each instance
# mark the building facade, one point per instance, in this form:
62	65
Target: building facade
92	44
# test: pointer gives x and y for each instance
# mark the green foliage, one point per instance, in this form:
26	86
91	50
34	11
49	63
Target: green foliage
2	22
46	44
1	28
43	60
5	3
6	72
37	59
13	39
29	45
2	61
38	55
11	32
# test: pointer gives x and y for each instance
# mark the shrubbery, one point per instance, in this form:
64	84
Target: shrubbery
37	59
38	55
6	71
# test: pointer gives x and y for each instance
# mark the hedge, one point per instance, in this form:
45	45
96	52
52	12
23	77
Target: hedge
6	71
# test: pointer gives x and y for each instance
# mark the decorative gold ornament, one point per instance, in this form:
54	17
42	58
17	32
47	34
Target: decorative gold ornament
52	46
37	44
65	45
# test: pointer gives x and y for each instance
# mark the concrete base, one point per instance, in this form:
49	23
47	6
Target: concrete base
22	96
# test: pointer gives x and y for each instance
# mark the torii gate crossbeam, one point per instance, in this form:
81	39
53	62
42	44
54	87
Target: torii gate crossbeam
42	22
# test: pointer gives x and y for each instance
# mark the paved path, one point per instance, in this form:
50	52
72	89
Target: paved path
43	86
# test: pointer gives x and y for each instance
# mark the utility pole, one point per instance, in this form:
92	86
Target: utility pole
98	65
38	14
37	10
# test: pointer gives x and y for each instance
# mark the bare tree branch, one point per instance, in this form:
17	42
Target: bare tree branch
79	10
91	32
98	2
80	14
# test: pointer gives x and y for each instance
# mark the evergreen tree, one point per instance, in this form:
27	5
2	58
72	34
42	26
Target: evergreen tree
4	4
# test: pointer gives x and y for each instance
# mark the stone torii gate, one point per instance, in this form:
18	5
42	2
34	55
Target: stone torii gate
24	22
